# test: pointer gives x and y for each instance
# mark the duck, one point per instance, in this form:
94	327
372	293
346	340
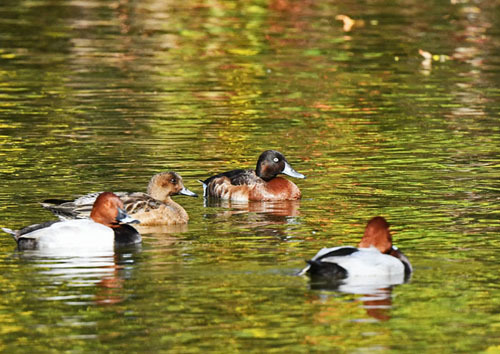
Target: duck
107	227
374	261
261	184
153	208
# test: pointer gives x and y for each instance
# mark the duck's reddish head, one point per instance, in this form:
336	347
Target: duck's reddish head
108	209
377	234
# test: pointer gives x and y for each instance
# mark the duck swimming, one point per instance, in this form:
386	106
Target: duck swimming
375	260
261	184
105	229
155	207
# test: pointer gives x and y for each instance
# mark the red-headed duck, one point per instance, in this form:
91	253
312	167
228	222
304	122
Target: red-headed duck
105	229
375	260
260	184
155	207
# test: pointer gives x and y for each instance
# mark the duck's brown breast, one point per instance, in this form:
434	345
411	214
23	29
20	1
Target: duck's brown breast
276	189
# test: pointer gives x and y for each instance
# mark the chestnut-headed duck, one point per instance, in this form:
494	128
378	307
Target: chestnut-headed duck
375	260
106	228
260	184
155	207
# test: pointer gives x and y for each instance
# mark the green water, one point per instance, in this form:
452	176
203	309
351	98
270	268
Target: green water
101	95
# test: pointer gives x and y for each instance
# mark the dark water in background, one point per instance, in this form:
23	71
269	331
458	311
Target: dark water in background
103	94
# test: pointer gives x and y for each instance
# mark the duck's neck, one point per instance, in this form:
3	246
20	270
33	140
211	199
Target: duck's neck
102	220
167	200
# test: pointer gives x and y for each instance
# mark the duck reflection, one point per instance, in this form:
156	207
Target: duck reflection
376	298
162	229
75	272
267	212
271	220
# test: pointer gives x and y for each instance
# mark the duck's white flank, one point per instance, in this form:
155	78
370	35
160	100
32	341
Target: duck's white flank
81	233
364	263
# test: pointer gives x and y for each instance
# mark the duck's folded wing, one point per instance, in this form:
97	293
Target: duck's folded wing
327	254
139	202
80	208
235	177
90	198
87	198
242	177
69	210
334	252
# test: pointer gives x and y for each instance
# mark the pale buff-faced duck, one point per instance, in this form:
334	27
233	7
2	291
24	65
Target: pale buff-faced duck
155	207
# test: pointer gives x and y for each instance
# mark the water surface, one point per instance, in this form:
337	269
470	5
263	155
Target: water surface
102	95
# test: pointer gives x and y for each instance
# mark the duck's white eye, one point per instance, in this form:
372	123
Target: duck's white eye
276	159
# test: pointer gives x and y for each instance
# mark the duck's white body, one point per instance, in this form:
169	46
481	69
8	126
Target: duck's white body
80	234
374	264
106	228
364	266
365	262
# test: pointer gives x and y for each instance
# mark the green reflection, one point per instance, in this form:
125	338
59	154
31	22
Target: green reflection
102	95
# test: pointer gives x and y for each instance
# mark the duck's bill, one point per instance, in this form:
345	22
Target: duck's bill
289	171
124	218
185	191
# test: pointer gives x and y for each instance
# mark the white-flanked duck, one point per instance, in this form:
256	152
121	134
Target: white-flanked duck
375	262
106	228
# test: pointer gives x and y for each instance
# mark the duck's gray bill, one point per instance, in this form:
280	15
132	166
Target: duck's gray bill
289	171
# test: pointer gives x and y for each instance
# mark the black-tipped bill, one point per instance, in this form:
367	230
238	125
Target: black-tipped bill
124	218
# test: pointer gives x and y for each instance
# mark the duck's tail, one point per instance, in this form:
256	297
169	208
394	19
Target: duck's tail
9	231
55	201
205	186
325	269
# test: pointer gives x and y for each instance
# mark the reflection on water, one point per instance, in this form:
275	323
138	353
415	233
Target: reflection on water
378	305
162	229
376	302
79	270
358	285
268	219
376	294
102	95
285	211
